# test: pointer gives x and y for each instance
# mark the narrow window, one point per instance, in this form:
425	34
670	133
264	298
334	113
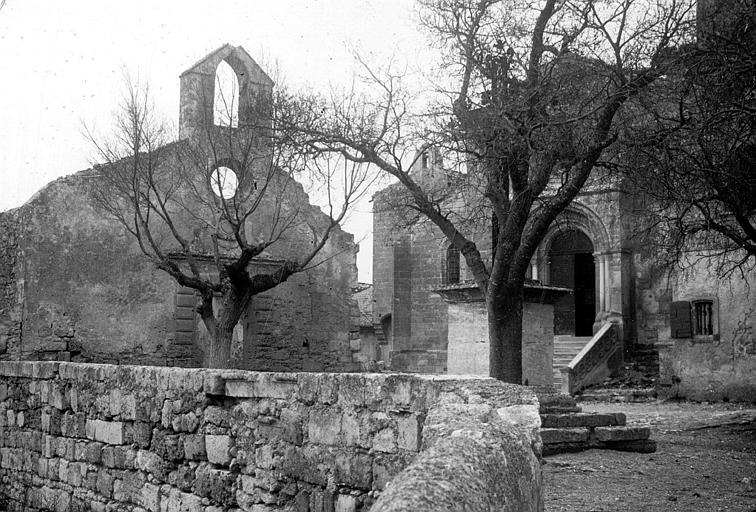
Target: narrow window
226	100
452	265
703	318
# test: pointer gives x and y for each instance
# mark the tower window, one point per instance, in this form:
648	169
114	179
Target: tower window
226	100
452	265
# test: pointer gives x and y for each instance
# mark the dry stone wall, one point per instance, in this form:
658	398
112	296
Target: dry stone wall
129	438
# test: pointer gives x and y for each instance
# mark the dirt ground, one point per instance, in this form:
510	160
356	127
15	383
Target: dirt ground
706	461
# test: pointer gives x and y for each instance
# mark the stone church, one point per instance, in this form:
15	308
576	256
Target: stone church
591	269
75	286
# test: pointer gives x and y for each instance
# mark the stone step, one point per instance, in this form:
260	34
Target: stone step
568	337
553	402
640	446
623	438
584	419
618	395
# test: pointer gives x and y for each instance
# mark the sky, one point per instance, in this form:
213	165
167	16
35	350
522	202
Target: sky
62	66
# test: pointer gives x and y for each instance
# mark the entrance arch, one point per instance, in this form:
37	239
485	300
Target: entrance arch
571	265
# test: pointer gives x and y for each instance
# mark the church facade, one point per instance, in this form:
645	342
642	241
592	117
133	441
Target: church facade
702	328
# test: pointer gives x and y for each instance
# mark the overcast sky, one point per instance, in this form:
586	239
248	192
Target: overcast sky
62	64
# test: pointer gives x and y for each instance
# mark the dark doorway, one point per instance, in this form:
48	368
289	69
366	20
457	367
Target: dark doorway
571	266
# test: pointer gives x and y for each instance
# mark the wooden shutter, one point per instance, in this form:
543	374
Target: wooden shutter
679	319
185	321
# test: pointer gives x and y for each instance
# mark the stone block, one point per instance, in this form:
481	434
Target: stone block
213	384
609	434
149	497
346	503
94	453
185	422
104	483
194	447
140	434
582	420
183	477
309	463
408	433
167	446
292	426
216	484
564	435
385	440
324	427
350	429
58	398
128	489
218	449
151	463
354	470
110	432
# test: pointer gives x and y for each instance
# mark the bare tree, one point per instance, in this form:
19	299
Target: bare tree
529	104
204	209
696	159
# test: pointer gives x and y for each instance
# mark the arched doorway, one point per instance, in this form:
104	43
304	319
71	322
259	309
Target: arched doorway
571	265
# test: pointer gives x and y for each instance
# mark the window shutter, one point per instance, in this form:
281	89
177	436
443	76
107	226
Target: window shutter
185	321
679	319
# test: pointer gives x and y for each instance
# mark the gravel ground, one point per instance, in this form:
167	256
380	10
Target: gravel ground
706	461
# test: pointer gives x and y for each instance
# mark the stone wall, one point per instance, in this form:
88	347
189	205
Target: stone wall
91	437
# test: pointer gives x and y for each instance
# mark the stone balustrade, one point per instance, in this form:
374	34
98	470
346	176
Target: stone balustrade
595	362
104	437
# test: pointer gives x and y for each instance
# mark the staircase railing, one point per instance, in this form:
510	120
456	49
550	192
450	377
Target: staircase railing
595	362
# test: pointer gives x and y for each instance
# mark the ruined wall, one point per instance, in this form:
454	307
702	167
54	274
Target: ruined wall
11	285
86	437
82	288
74	285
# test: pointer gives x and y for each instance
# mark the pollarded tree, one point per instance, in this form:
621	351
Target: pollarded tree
204	208
529	104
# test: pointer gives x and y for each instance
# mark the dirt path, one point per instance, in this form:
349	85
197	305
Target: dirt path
706	461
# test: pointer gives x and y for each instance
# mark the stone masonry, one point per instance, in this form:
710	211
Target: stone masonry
101	437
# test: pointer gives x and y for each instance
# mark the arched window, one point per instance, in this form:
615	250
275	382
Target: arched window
226	99
452	265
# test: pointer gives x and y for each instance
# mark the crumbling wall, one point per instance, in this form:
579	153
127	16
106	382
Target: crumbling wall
91	437
75	286
11	285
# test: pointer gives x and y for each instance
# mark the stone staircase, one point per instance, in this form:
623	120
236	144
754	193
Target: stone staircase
565	349
564	428
634	381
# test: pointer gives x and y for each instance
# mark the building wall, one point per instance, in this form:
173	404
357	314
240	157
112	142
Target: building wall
716	367
407	267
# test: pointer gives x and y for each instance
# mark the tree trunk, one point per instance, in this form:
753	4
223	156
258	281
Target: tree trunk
505	333
219	352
